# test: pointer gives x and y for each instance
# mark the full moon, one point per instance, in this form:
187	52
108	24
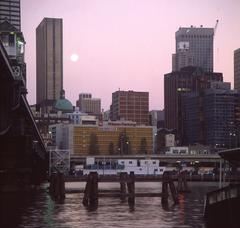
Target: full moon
74	57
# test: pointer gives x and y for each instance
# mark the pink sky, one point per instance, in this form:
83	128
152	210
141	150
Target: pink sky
127	44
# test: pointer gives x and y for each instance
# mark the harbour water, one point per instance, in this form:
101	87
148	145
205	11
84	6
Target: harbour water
39	210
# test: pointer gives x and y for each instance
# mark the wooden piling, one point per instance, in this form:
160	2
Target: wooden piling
131	189
57	186
123	190
164	199
90	197
182	182
167	181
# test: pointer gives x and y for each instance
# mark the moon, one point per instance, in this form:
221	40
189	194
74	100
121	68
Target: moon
74	57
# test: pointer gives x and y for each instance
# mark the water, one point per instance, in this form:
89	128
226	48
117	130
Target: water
39	210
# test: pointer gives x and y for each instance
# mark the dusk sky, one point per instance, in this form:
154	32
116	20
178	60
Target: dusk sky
127	44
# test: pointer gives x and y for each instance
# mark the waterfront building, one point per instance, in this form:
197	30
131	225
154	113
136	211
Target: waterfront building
49	54
194	47
237	69
89	105
10	11
130	105
210	116
188	79
165	138
114	138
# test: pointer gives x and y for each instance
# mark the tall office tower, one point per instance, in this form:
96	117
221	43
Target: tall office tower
10	11
194	47
49	53
188	79
210	116
88	104
130	105
237	69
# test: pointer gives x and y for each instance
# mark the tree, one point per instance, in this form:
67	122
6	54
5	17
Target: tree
124	144
111	148
93	144
143	146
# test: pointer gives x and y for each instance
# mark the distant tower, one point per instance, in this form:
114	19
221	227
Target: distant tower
237	69
194	47
10	11
49	53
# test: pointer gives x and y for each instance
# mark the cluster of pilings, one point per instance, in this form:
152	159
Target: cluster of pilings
57	186
167	181
127	188
182	182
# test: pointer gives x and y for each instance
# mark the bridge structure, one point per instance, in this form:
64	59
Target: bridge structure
23	156
163	158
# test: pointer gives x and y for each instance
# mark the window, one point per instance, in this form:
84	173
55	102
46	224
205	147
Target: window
130	162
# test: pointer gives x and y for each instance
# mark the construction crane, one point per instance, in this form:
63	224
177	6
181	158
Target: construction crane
215	28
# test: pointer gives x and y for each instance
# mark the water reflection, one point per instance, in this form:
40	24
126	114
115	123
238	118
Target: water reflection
39	210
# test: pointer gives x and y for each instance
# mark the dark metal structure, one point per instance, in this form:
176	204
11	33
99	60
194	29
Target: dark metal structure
23	156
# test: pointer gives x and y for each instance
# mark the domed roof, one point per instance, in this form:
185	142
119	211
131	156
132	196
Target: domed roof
63	104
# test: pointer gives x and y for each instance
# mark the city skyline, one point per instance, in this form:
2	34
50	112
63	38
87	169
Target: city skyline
120	42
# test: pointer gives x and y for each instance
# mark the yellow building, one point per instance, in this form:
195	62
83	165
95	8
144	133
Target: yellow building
78	137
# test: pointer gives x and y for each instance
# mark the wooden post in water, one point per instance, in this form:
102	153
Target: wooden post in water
182	182
123	190
61	186
131	189
90	197
167	180
57	186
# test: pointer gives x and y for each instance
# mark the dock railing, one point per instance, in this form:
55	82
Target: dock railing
228	192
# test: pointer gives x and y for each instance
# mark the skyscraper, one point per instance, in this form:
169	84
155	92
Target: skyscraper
194	47
176	84
130	105
210	116
10	11
237	69
49	53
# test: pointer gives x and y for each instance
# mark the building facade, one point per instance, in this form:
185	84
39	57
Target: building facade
10	11
89	105
108	138
176	84
194	47
130	105
49	53
237	69
210	117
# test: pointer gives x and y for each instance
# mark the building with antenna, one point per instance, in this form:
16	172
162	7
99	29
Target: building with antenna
194	47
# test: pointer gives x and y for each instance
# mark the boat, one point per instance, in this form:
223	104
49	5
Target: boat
139	167
223	205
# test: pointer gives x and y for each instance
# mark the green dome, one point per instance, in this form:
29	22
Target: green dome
63	104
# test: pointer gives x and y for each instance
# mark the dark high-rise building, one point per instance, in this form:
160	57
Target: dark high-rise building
237	69
10	11
130	105
188	79
49	53
194	47
210	116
